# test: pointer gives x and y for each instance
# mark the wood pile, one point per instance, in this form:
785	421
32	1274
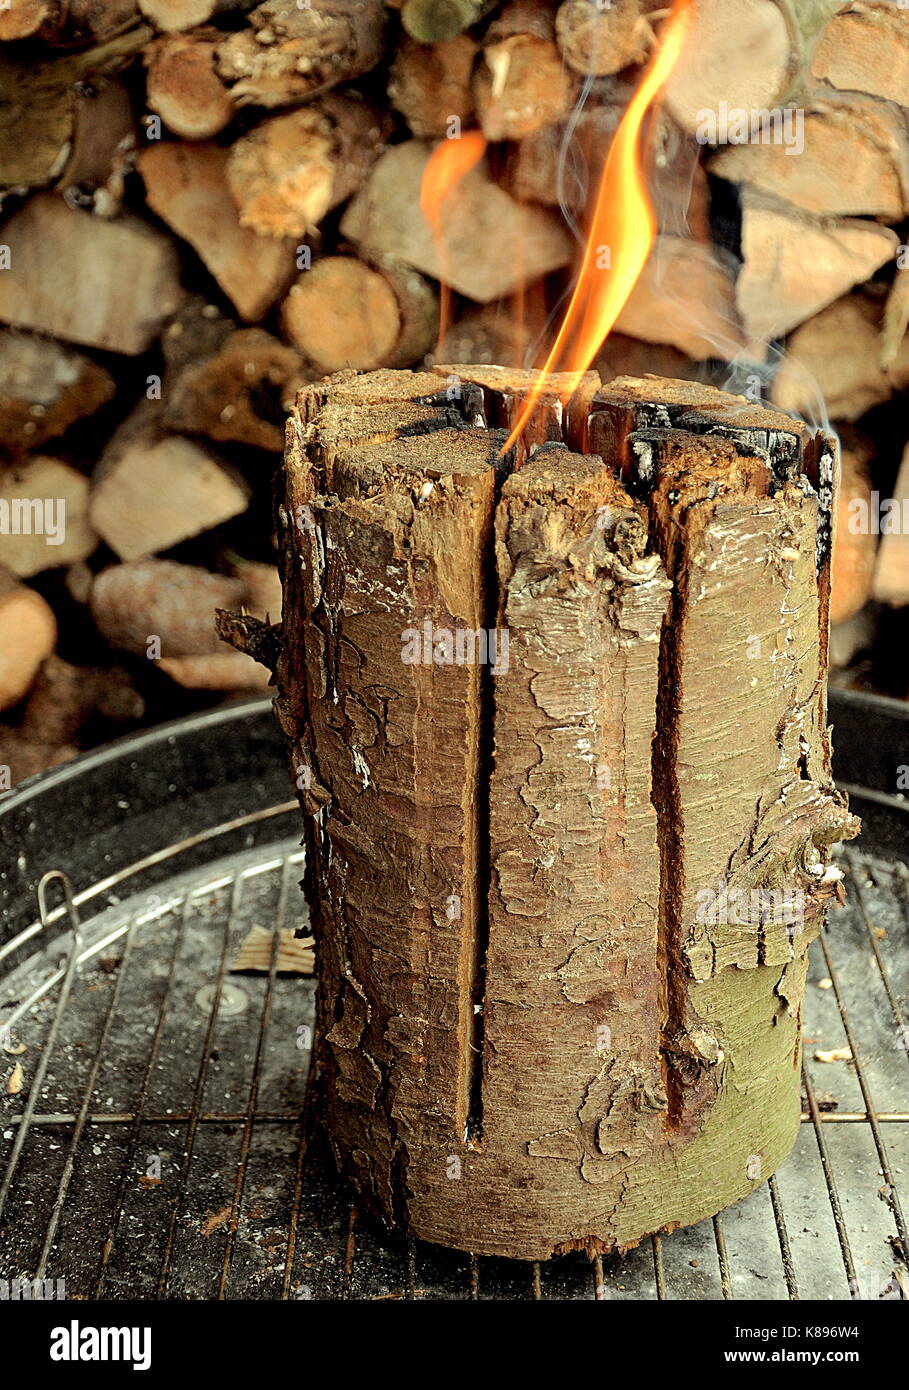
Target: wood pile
207	204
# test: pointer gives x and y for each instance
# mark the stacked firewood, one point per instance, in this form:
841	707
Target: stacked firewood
209	203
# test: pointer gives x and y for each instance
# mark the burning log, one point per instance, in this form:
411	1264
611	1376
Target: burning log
186	185
586	691
521	84
597	40
289	55
183	86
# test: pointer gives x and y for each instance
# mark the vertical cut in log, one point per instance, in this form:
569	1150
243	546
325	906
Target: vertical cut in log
543	723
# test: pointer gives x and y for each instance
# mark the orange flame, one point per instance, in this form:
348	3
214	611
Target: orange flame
622	232
448	164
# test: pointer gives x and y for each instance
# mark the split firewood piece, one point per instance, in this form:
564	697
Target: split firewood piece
850	639
624	356
242	392
290	55
66	21
490	244
852	159
629	405
288	172
263	948
891	575
102	284
263	587
343	313
44	509
865	48
407	524
597	39
54	109
494	333
21	758
738	54
497	396
186	185
521	84
570	812
815	371
24	18
29	631
685	298
855	545
764	627
432	21
159	608
896	321
430	84
65	696
794	265
103	148
545	168
44	388
172	16
183	86
215	671
152	490
198	329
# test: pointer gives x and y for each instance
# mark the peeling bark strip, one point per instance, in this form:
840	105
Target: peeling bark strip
562	906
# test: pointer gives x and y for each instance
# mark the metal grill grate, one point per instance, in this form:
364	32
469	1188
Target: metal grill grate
155	1149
